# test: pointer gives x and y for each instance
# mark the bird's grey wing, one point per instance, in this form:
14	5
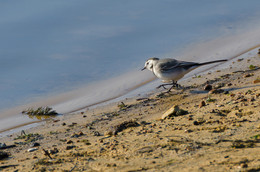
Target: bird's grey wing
166	64
170	64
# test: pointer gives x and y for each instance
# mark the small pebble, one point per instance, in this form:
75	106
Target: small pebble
35	144
2	145
244	165
69	147
226	92
196	123
219	85
69	142
32	149
96	133
3	155
54	151
208	87
248	75
229	84
109	133
256	81
216	91
188	131
202	103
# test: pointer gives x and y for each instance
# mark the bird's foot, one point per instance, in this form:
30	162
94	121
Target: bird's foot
163	85
174	84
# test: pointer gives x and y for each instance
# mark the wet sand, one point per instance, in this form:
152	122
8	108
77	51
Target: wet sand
219	132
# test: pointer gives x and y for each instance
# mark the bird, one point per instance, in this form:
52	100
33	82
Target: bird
171	70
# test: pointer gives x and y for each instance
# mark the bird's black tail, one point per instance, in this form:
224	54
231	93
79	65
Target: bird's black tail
216	61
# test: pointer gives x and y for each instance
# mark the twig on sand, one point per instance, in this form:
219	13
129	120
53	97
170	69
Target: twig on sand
47	153
73	167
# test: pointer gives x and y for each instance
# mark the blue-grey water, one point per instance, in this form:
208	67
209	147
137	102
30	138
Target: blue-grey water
50	47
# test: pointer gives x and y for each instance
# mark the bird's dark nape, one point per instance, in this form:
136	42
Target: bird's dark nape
153	58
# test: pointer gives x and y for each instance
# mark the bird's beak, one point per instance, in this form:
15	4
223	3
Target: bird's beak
143	69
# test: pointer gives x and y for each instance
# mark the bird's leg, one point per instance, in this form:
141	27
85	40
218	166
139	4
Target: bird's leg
163	85
174	84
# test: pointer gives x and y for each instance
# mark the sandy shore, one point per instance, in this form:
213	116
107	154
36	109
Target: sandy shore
220	130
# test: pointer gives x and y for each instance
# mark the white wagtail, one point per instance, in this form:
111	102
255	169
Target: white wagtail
171	70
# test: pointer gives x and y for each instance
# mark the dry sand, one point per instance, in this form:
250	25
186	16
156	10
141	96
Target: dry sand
221	135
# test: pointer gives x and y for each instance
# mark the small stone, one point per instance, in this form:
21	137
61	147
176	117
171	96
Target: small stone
219	105
2	145
256	81
3	155
54	151
108	133
70	147
190	118
35	144
226	92
188	131
196	123
96	133
248	75
101	150
174	111
69	142
32	149
244	165
219	85
208	87
202	103
74	135
199	122
80	133
216	91
229	84
63	124
153	125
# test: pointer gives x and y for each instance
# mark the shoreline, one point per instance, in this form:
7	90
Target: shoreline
134	137
111	99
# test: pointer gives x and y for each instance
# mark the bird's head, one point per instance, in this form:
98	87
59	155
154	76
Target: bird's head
150	63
